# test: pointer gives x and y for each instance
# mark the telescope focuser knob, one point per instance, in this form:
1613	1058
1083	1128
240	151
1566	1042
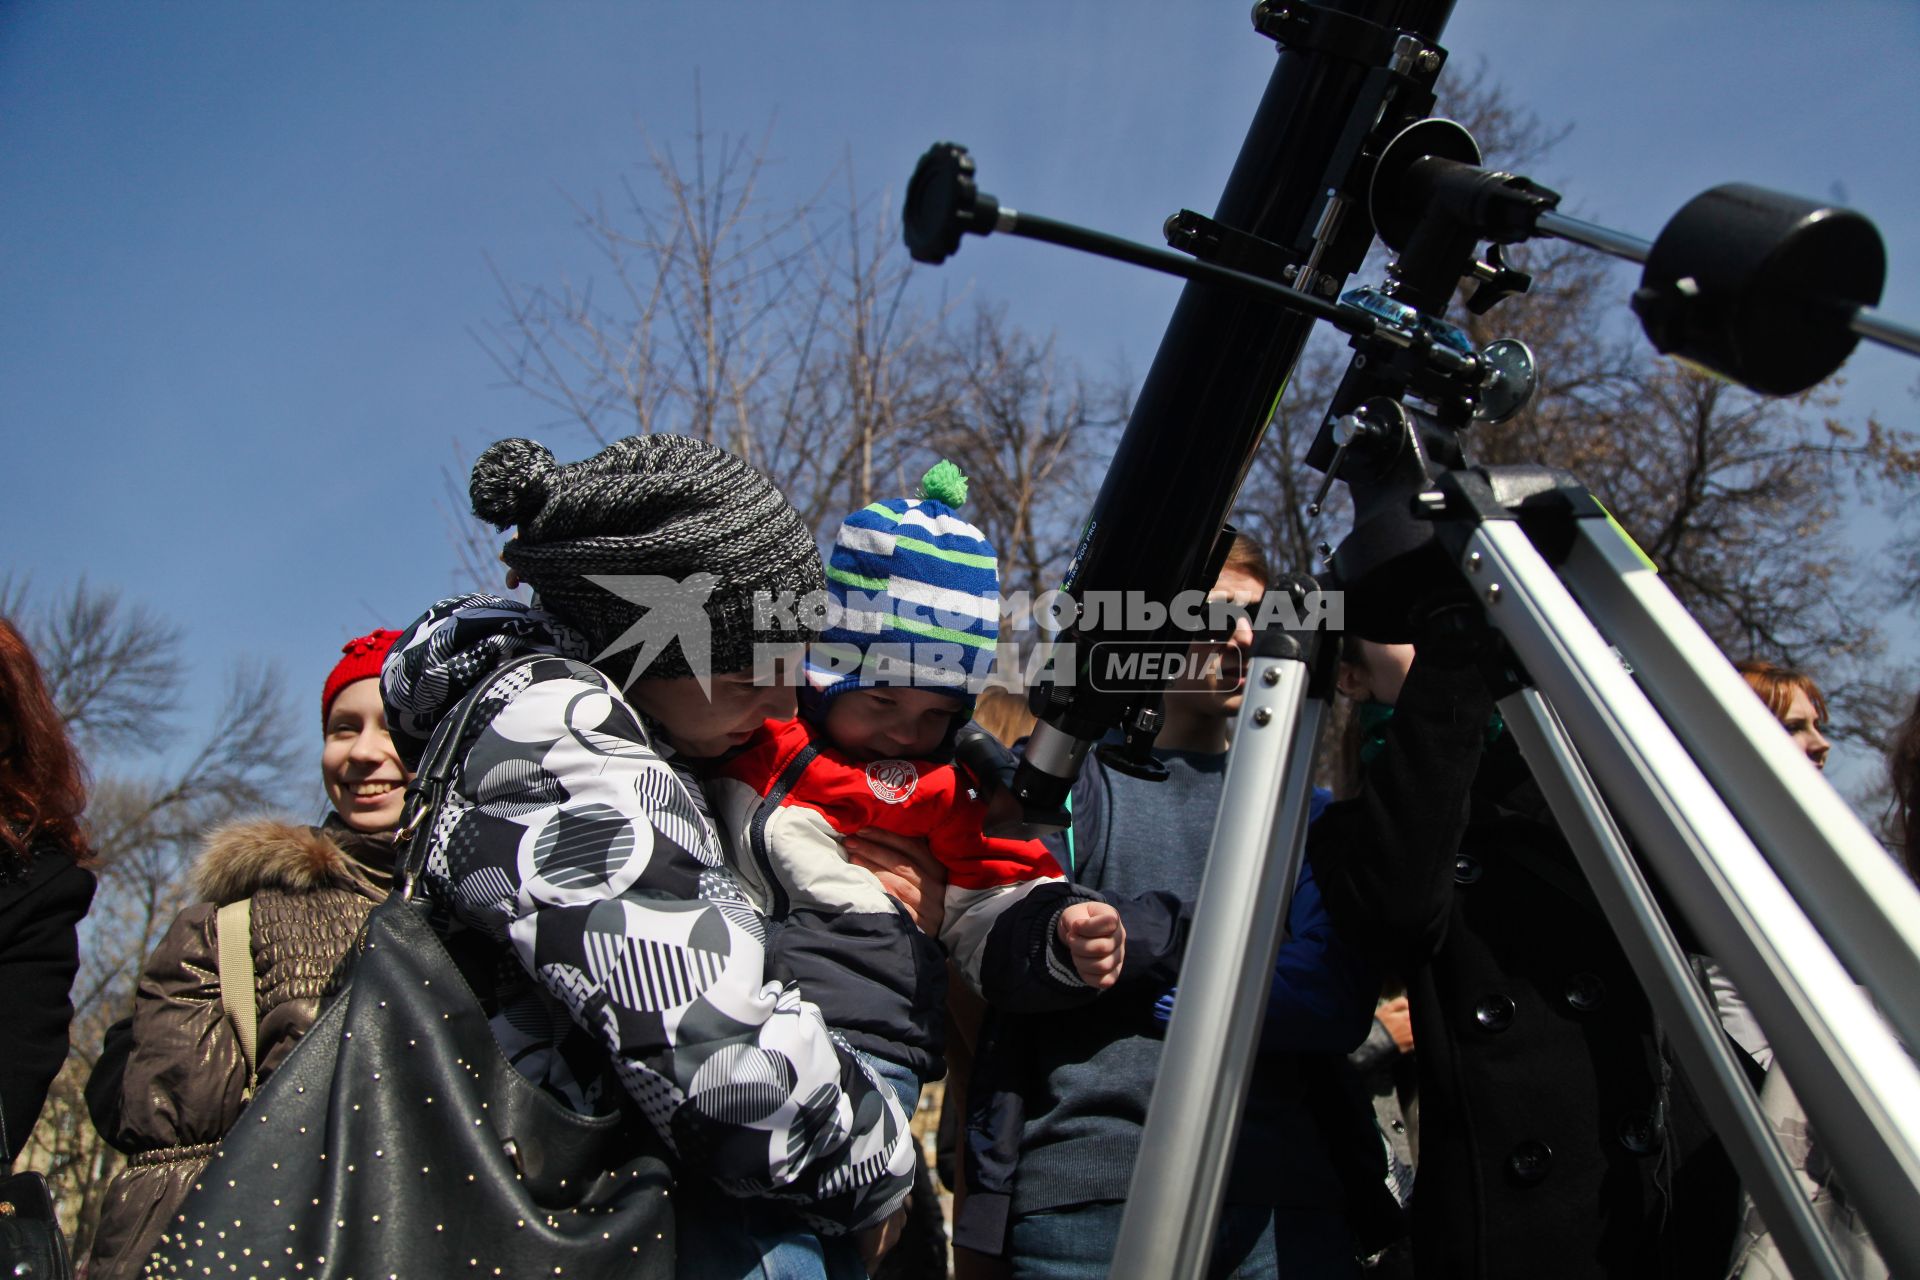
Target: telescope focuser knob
1349	429
1134	756
943	202
1498	282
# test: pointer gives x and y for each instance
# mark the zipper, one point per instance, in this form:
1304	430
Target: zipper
757	830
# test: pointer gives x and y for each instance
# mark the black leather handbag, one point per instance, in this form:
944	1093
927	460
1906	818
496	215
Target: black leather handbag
30	1241
397	1140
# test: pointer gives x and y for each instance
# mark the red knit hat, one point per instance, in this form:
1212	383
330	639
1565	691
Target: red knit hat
361	661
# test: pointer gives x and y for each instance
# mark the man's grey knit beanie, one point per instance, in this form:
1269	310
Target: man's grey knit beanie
671	506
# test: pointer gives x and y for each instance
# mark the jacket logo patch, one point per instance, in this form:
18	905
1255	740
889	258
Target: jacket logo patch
892	780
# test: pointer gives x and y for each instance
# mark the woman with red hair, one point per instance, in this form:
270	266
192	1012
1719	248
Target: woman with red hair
1796	702
1801	709
44	889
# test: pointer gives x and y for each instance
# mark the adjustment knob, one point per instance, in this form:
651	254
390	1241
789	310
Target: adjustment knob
1507	380
943	202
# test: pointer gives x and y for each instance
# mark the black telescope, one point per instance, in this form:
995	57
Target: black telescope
1623	708
1350	76
1766	289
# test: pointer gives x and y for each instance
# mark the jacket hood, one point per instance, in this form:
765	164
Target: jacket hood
451	648
242	858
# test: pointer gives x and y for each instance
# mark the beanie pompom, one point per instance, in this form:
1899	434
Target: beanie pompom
510	482
944	482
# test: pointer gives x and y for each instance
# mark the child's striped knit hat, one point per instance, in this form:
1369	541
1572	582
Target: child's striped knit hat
915	594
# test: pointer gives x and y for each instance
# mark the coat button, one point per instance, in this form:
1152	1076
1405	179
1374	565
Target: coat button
1585	992
1529	1163
1494	1013
1466	869
1640	1134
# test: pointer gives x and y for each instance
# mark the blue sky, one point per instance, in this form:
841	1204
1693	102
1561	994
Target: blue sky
244	247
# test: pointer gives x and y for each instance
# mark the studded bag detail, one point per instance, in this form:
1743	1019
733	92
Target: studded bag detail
30	1241
398	1141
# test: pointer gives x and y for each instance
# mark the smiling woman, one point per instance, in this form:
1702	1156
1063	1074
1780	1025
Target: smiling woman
174	1076
366	783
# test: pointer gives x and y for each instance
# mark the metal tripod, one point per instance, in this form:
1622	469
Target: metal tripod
1773	871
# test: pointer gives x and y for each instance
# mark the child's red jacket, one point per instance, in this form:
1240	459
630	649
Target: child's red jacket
786	801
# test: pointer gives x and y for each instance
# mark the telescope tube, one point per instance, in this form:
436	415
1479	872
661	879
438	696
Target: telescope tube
1225	358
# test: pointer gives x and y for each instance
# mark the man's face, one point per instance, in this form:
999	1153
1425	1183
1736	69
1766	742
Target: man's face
1220	685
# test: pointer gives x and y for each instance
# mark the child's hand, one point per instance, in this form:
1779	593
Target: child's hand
1096	940
1395	1017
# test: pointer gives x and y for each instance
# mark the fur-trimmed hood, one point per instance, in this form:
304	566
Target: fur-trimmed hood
242	858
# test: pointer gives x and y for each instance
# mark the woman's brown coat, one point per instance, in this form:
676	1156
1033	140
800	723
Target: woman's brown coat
169	1090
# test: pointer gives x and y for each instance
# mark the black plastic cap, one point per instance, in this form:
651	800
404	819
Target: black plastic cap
942	203
1760	287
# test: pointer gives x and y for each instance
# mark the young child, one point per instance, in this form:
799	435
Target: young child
887	686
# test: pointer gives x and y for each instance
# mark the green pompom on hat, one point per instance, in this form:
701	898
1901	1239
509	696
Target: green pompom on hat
944	482
918	586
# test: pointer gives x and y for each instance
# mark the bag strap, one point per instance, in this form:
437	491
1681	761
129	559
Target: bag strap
235	929
428	790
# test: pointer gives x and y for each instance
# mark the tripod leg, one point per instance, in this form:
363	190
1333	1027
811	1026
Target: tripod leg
1864	906
1252	863
1860	1088
1662	967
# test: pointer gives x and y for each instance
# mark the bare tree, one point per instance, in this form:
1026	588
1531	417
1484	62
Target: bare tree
1736	497
1029	428
117	672
1903	583
111	668
699	268
867	371
786	334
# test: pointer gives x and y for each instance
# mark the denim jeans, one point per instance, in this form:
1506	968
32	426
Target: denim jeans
720	1238
905	1084
725	1239
1076	1243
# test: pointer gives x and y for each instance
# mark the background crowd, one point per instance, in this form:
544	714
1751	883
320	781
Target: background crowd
1458	1072
730	303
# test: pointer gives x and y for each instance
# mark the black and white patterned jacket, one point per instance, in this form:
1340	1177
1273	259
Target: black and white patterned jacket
571	840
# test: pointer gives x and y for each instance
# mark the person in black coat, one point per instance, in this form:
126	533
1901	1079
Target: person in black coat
1557	1136
44	891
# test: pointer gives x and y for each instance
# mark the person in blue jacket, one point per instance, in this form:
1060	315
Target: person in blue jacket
1059	1102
